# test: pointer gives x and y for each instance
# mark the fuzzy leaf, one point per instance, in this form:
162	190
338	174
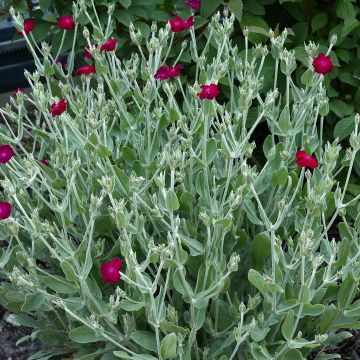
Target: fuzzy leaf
168	347
288	325
83	335
146	339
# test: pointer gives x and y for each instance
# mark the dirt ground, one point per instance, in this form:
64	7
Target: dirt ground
10	334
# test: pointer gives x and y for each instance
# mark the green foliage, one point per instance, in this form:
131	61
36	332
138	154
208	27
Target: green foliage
226	243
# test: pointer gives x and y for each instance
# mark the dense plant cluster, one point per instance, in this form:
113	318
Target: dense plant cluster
304	19
140	222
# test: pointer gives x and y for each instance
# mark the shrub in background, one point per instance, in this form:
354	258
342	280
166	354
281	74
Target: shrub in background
140	225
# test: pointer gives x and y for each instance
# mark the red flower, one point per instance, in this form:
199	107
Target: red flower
208	92
19	90
66	23
110	45
305	160
194	4
322	64
28	27
6	153
110	271
44	162
5	210
59	107
166	72
86	70
178	24
87	54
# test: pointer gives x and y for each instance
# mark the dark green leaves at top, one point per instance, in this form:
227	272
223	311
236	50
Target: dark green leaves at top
345	9
236	7
319	21
208	7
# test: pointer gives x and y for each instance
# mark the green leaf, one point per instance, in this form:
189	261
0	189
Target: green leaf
103	151
211	150
307	78
125	3
83	335
280	176
44	5
346	292
327	319
103	224
349	25
319	21
260	250
300	343
131	305
123	355
345	9
257	26
168	348
48	68
304	295
260	352
284	123
68	270
327	356
124	17
344	127
172	202
196	248
168	326
312	310
178	284
340	108
259	282
353	310
101	67
208	7
236	7
58	284
32	302
146	339
288	325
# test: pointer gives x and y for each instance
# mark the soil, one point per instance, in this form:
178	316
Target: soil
9	335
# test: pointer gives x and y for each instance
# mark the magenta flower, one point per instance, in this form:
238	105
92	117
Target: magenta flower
19	90
66	23
166	72
194	4
6	153
209	92
59	107
29	26
305	160
5	210
110	45
110	271
85	70
87	54
322	64
177	24
44	162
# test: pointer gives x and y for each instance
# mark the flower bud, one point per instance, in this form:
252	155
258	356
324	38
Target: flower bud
333	39
86	33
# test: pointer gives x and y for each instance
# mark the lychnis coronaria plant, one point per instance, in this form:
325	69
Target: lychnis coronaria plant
156	225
